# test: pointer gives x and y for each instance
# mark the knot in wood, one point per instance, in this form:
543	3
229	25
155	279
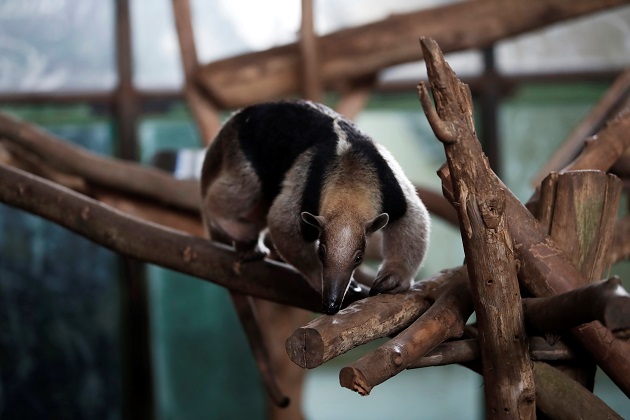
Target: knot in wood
397	356
492	210
85	213
189	254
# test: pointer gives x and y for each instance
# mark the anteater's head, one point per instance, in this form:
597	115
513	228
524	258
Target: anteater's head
341	245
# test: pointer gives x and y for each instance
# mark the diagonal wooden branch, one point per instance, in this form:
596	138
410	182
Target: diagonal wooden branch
358	52
154	244
507	372
600	151
378	316
111	173
544	271
605	301
552	388
12	154
592	123
205	113
467	350
58	160
443	320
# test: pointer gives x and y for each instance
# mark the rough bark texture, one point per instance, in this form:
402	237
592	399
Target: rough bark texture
154	244
443	320
543	269
579	210
507	371
378	316
560	397
605	301
362	51
592	123
121	175
466	351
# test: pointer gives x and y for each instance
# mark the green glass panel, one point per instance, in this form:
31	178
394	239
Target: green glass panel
59	306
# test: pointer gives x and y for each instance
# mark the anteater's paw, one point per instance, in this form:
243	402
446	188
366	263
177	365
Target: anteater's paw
248	255
389	282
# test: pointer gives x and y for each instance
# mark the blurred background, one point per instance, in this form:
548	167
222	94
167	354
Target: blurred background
86	334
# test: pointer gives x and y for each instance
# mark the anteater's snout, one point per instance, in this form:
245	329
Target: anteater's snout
331	306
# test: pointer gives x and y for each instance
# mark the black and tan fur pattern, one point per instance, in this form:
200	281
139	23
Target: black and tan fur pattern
322	187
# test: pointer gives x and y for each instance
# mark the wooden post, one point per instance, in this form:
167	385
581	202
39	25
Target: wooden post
579	209
204	113
507	370
312	87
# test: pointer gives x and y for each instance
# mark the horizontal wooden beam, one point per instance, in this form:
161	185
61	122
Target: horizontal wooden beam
362	51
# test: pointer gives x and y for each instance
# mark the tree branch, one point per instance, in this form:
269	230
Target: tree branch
544	271
154	244
508	378
467	351
111	173
605	301
378	316
443	320
552	389
592	123
358	52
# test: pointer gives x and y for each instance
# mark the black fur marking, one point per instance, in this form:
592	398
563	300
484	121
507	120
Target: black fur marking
273	135
320	162
393	199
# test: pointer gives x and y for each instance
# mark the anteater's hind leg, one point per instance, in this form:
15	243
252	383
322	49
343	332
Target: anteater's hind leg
235	212
233	215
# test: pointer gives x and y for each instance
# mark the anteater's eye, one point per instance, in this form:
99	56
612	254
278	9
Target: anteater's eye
321	251
358	258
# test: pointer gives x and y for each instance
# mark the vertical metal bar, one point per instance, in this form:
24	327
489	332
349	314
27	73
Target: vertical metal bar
489	100
136	352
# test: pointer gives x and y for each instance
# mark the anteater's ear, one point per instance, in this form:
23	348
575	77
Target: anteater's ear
311	219
378	223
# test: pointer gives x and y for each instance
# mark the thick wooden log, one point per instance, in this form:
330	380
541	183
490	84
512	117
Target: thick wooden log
205	114
121	175
507	371
552	389
445	319
467	351
378	316
154	244
605	301
362	51
592	123
557	395
544	271
578	209
12	154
